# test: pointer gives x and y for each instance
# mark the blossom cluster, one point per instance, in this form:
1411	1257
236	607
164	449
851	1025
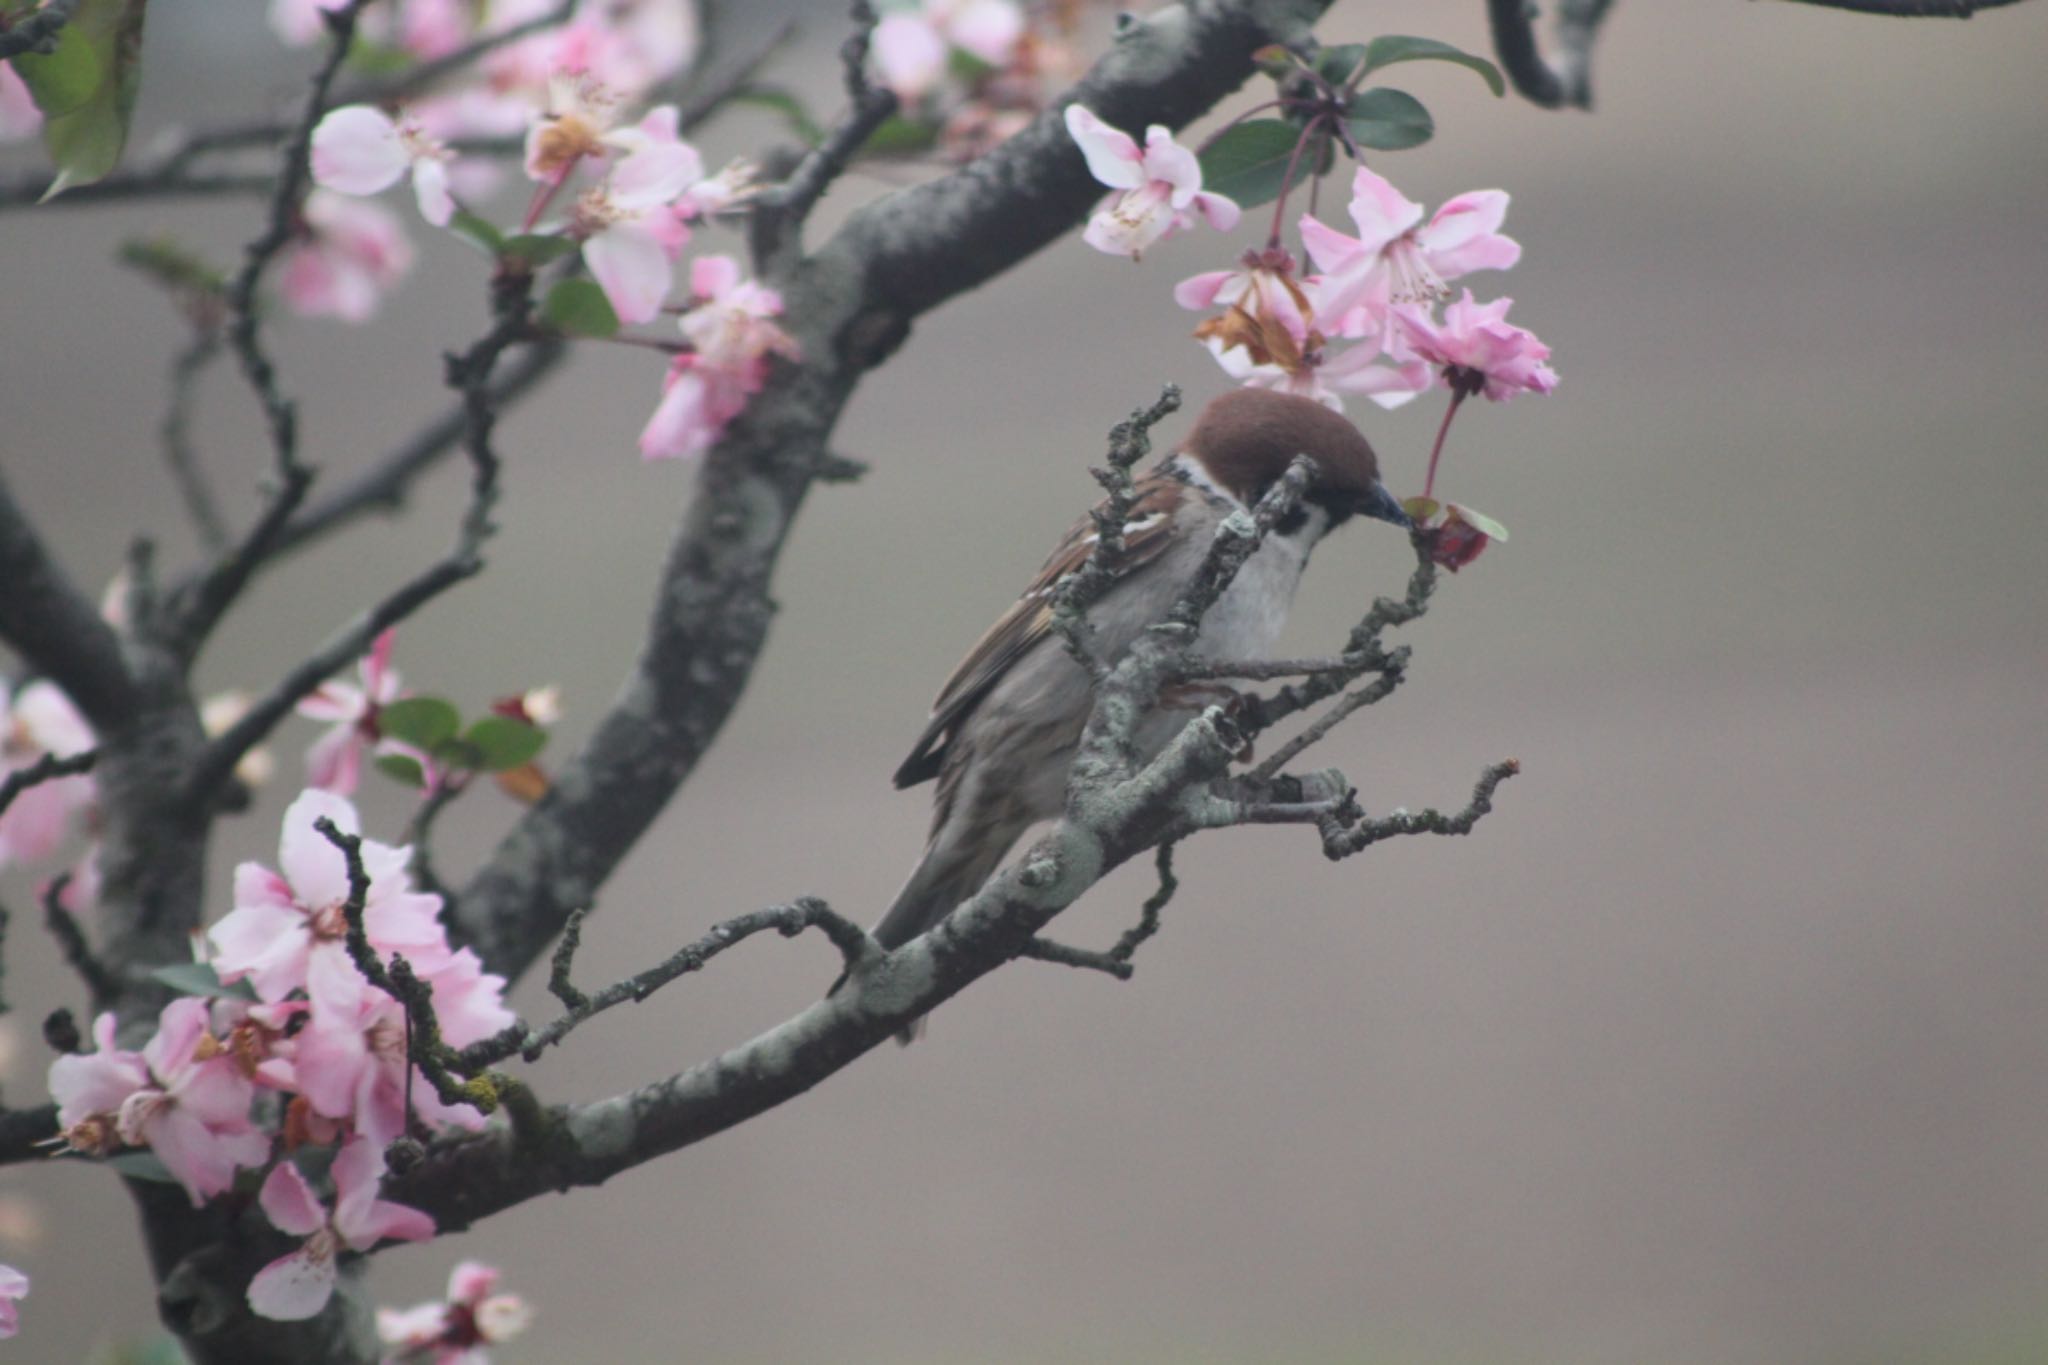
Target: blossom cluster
1373	316
611	179
304	1056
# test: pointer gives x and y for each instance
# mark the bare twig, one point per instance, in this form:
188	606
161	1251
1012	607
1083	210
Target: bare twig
1344	836
470	374
423	76
1565	78
45	769
1912	9
193	486
855	947
1117	960
383	487
1130	441
424	1046
70	935
779	214
199	609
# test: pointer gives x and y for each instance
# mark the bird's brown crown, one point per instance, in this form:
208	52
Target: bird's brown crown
1246	439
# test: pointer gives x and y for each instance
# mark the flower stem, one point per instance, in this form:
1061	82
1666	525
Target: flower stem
545	195
1436	451
1287	184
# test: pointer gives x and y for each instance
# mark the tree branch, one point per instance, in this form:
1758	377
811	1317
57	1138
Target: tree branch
45	769
199	608
1566	78
52	625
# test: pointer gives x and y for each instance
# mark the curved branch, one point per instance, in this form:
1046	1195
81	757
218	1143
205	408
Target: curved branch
849	304
54	627
1566	78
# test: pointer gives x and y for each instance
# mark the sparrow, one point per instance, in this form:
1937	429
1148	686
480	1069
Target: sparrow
1005	727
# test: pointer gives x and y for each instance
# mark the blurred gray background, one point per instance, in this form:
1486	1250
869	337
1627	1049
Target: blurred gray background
1722	1041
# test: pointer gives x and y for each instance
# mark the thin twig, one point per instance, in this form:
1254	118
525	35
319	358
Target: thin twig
71	941
415	79
45	769
470	374
855	947
397	979
1343	837
1130	441
383	487
198	610
779	213
193	485
1116	961
1566	78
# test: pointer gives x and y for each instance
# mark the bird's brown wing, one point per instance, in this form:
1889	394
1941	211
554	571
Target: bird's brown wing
1148	530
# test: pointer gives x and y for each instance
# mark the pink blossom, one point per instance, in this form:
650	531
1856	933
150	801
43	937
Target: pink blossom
299	22
298	1285
334	762
90	1087
1160	187
347	255
288	931
1326	374
1269	336
182	1096
40	720
910	45
469	1002
350	1064
196	1116
19	117
1396	257
732	334
578	123
1480	351
631	237
455	1332
13	1289
361	150
910	54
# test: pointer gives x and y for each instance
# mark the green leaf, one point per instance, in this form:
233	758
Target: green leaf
1391	48
1337	64
421	722
536	248
477	232
968	69
501	742
1249	162
401	768
783	102
579	308
86	89
1388	120
900	136
199	978
142	1165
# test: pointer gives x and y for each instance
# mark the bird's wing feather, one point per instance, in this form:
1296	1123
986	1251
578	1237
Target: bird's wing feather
1148	530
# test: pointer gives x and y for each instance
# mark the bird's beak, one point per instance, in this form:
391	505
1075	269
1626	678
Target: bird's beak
1379	503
